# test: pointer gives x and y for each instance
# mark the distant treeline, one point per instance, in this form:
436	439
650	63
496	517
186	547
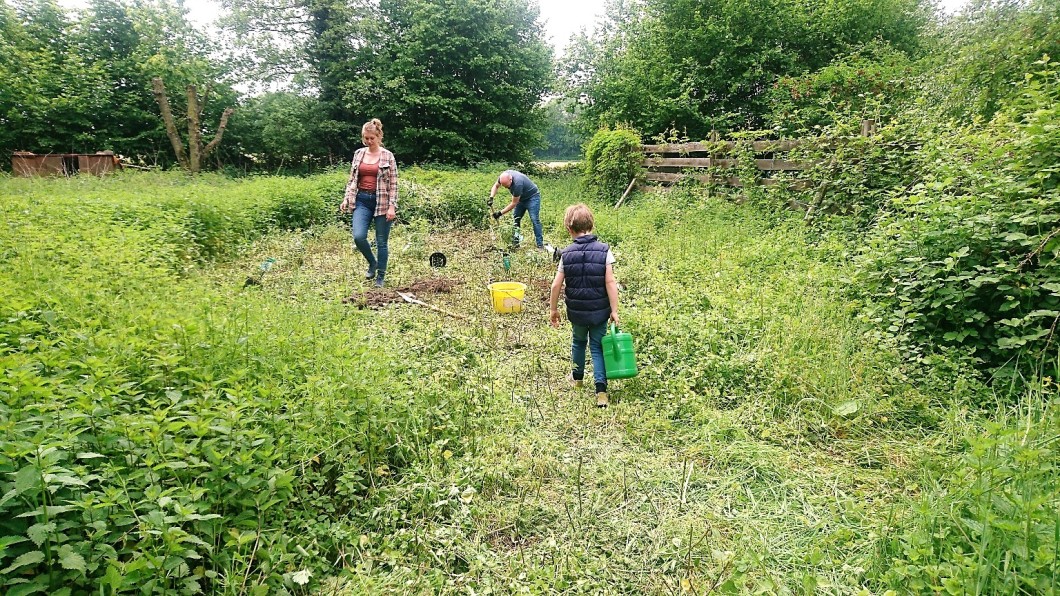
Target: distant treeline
466	82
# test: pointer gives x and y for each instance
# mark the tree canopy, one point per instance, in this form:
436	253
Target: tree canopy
454	81
80	82
465	81
699	66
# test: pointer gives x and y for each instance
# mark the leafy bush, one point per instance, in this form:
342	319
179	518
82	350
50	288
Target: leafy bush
874	82
448	197
612	159
982	54
968	257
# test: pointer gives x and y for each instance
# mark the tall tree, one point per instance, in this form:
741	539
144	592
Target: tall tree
698	65
452	80
456	81
306	46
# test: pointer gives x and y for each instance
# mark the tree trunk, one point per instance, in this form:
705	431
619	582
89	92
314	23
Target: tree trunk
194	132
159	91
190	160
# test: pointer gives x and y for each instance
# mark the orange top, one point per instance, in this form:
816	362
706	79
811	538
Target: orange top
367	173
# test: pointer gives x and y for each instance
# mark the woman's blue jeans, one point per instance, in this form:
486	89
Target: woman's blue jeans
533	205
582	335
362	216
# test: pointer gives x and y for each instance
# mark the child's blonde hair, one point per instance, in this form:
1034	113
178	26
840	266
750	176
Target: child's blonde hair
579	218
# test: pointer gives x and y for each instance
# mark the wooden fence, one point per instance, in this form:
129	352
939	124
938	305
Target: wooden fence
707	162
26	164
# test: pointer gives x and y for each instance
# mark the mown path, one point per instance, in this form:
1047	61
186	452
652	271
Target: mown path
656	494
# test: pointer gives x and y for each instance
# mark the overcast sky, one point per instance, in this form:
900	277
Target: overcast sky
562	18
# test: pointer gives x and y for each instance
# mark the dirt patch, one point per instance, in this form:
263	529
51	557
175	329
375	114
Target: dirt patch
437	285
378	298
373	299
540	287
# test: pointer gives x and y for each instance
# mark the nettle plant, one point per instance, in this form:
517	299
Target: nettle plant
159	434
995	528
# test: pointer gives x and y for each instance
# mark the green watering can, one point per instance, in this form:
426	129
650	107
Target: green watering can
619	360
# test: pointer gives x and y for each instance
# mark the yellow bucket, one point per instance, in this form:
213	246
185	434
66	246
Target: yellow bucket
507	296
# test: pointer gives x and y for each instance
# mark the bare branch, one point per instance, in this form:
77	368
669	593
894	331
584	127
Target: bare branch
220	132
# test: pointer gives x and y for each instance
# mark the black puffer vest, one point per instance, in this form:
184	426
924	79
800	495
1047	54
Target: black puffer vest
585	274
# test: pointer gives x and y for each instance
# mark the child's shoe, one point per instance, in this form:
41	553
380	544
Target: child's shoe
601	399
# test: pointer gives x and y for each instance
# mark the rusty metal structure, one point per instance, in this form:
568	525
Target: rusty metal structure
26	164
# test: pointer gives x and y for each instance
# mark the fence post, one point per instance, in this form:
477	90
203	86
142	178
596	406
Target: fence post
714	138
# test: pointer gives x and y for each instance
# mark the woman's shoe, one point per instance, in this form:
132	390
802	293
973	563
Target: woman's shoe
370	274
601	399
379	282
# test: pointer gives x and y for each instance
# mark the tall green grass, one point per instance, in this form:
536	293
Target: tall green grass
164	433
165	429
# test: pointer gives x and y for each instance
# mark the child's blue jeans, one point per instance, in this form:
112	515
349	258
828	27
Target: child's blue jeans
582	335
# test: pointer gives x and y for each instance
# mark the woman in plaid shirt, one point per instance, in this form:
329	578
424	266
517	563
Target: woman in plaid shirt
371	194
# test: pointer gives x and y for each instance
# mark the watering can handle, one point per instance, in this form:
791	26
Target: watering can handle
613	330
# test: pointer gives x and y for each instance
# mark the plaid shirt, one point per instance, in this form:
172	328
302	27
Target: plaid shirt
386	194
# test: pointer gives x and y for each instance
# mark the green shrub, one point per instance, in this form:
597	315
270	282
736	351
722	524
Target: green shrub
612	159
967	257
874	82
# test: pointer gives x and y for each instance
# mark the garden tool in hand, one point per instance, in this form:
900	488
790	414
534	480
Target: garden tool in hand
262	270
492	220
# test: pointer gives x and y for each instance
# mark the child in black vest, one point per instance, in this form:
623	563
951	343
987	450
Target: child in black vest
590	293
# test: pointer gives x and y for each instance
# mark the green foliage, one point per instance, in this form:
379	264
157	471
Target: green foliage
562	140
447	198
166	434
968	257
612	159
703	66
279	130
993	527
984	51
460	85
163	430
876	83
84	85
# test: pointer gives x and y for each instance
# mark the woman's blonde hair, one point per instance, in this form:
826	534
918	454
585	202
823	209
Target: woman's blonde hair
579	218
374	125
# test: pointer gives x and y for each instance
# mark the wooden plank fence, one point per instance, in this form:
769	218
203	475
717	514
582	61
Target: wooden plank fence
672	162
668	163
